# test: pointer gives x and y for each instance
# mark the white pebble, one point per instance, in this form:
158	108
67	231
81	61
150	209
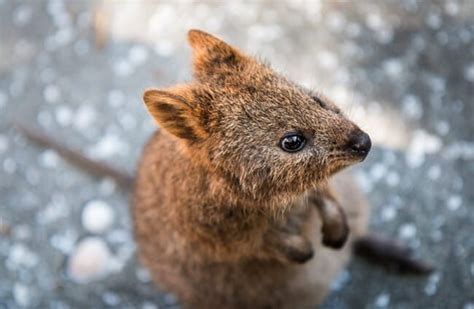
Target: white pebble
452	8
22	294
52	93
89	260
454	202
49	159
97	216
63	116
64	241
22	15
407	231
84	117
393	179
432	285
389	213
393	67
111	299
382	300
149	305
412	107
434	172
469	72
21	257
108	146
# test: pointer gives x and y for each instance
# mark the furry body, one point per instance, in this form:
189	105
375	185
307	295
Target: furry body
224	216
214	261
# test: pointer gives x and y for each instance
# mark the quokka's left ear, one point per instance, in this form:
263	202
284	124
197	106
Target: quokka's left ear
211	55
174	111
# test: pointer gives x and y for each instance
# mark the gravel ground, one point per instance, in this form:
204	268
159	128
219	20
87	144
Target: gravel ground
404	70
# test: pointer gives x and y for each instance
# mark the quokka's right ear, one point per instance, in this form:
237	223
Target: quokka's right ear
174	111
212	55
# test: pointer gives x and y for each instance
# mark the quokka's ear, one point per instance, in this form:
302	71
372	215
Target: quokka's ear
211	55
174	111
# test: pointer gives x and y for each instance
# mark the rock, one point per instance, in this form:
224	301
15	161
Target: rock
89	261
97	216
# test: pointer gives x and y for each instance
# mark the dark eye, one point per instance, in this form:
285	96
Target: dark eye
292	142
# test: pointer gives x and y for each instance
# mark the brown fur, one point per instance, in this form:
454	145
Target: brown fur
223	217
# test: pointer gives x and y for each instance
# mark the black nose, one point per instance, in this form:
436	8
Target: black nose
359	143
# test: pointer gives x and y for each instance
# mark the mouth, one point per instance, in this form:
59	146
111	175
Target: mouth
342	159
358	156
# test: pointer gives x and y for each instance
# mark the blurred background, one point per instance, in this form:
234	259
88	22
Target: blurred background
403	70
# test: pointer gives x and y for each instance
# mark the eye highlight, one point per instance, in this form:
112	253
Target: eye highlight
292	142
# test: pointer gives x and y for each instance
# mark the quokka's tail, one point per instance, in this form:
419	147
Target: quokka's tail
75	157
391	254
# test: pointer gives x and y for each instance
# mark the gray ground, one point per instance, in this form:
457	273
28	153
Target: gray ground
404	70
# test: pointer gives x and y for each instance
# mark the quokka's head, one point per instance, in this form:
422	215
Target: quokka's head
264	135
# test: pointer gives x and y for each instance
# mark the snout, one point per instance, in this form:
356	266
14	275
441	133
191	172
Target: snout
359	144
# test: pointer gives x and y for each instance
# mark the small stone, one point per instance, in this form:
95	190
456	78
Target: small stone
388	213
407	231
412	107
84	117
97	216
89	261
149	305
63	116
111	299
432	285
64	241
22	15
434	172
108	146
454	202
393	67
21	293
469	72
52	93
49	159
20	257
393	179
382	300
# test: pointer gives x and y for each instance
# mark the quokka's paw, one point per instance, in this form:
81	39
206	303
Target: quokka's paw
297	249
335	236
